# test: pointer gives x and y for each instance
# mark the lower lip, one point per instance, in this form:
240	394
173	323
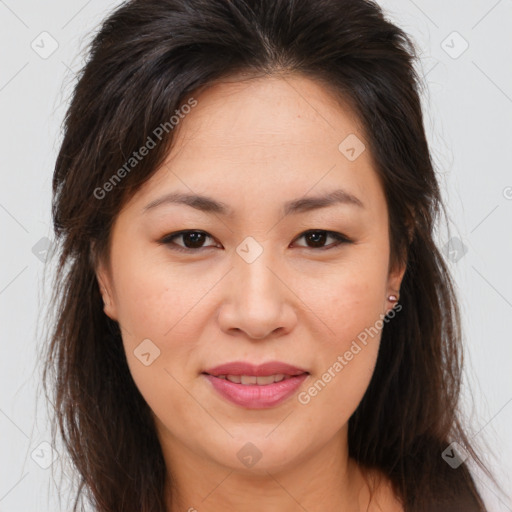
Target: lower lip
253	396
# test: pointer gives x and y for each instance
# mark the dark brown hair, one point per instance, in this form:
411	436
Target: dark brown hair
146	61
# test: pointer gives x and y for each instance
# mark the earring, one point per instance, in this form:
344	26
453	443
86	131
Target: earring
393	298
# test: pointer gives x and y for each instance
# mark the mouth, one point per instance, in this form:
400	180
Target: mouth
256	387
246	369
250	380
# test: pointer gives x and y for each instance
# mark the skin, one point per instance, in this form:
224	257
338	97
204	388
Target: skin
254	144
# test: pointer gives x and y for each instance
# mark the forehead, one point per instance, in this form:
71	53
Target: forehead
261	137
268	111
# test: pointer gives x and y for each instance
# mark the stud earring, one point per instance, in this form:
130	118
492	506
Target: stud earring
393	298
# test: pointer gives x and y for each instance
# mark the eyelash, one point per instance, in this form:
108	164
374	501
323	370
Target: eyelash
167	240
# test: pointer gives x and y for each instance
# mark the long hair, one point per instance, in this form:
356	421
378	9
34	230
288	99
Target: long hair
147	60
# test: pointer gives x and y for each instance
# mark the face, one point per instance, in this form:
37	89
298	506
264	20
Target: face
260	275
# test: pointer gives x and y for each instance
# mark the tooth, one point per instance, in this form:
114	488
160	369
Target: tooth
269	379
251	379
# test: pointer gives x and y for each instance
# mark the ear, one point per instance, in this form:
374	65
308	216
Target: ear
103	276
395	278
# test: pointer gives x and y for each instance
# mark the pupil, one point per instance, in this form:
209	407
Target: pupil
196	237
315	236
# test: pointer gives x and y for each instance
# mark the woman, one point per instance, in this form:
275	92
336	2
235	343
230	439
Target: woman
213	349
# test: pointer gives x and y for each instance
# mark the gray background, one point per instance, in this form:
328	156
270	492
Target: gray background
468	116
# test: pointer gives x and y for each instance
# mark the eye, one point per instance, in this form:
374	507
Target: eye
194	240
318	237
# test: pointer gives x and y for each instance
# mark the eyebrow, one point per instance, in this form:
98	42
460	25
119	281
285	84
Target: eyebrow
301	205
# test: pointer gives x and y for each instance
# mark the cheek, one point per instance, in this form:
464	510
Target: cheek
350	305
154	297
155	304
347	297
156	309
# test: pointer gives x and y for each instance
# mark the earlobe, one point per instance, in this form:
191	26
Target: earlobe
108	302
105	296
394	284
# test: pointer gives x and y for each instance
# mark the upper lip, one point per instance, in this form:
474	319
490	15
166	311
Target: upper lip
262	370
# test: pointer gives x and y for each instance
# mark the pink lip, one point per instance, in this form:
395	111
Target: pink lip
262	370
254	396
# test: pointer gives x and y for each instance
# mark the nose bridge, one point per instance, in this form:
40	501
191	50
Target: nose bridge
253	266
257	300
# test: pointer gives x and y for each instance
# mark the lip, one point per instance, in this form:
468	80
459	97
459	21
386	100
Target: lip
256	396
262	370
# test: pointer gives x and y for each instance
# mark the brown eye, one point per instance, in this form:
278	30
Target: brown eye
191	240
318	237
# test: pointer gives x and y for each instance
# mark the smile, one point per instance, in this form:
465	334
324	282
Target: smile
252	379
255	392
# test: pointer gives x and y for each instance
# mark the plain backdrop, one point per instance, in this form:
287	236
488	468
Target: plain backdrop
465	49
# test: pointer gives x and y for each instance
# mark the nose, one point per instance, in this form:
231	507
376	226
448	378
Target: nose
257	300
